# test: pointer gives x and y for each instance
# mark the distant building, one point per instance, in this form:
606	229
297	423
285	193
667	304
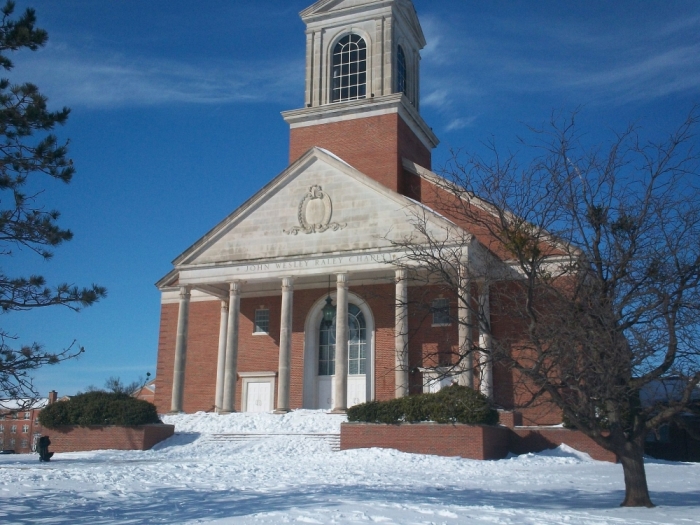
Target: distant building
19	423
147	392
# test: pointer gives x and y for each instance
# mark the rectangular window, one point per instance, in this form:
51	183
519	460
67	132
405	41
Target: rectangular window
25	443
2	429
36	422
14	415
12	443
25	429
262	321
13	429
27	415
441	312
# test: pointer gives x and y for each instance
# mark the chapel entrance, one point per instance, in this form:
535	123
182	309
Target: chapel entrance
357	360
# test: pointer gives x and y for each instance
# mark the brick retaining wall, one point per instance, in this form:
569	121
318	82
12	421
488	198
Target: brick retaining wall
524	440
467	441
98	437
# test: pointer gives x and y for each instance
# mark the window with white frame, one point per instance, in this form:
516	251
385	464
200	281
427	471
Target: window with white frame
25	443
357	345
440	309
349	69
262	320
13	429
12	443
25	429
27	415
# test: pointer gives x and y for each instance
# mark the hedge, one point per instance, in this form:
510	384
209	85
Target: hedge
99	408
454	404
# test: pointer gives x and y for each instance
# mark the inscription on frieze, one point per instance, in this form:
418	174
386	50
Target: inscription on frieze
348	260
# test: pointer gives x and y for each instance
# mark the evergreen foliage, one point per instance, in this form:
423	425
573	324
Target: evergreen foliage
454	404
29	150
99	408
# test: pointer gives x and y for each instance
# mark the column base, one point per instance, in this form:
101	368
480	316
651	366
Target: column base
225	412
175	412
282	411
339	411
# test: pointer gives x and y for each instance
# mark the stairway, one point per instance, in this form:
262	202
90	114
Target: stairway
333	440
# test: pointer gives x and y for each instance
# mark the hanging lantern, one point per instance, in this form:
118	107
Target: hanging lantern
328	312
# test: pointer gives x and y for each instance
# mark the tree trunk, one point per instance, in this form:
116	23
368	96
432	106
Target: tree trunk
636	490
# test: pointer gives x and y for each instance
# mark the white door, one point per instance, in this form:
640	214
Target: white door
258	397
357	361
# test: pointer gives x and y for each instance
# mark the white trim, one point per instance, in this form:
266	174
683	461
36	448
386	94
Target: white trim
313	320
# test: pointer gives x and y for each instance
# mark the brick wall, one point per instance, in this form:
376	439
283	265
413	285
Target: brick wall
524	440
166	357
372	145
467	441
77	439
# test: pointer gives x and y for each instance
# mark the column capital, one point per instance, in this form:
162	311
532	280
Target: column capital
234	287
224	305
341	279
401	274
288	283
185	291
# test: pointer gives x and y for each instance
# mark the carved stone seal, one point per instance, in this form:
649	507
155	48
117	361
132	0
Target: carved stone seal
314	214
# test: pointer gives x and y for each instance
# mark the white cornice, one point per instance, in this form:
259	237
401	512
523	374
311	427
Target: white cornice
369	107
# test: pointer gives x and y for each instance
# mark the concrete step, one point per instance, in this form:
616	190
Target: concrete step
333	440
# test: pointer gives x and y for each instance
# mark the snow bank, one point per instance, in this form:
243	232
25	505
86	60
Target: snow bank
295	422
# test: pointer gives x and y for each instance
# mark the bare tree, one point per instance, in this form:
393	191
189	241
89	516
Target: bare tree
592	258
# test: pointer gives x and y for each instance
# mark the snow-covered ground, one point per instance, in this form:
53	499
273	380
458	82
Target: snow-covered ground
192	478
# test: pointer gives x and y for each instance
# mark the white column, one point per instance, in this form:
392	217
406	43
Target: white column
285	357
464	315
341	344
180	350
221	361
485	342
231	362
401	334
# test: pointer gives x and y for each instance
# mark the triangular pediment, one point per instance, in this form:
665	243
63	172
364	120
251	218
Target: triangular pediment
330	8
319	205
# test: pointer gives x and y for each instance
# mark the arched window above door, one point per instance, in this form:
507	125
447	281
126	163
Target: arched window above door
357	345
349	69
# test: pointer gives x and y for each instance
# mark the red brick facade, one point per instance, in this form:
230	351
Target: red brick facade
373	145
19	430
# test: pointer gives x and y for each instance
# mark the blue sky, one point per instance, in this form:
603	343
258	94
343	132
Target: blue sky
175	122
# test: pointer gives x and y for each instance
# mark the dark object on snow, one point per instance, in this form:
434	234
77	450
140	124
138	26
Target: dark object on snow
43	448
7	451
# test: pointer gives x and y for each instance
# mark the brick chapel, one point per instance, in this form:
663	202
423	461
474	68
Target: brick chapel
294	300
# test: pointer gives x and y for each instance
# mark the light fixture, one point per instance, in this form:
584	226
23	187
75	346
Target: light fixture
328	309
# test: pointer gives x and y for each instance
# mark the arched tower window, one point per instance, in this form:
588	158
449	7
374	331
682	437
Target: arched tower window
349	69
401	83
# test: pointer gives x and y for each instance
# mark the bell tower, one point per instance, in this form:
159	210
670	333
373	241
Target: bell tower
363	88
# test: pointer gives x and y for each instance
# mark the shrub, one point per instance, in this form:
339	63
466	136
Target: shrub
99	408
455	404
